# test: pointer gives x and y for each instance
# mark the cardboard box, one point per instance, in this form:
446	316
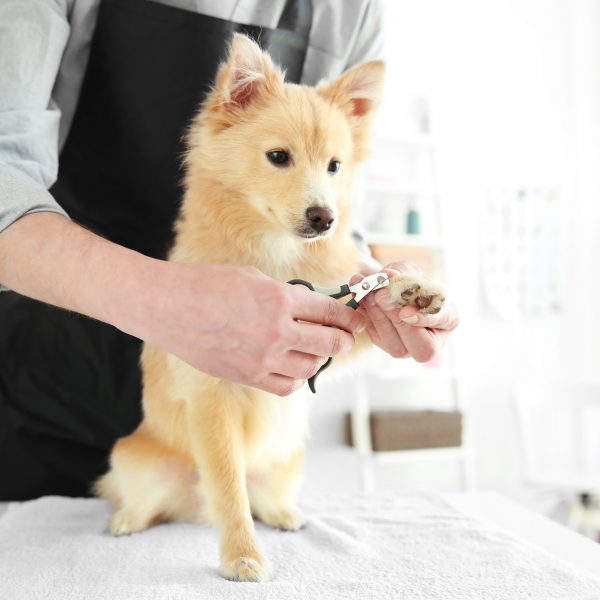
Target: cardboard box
411	430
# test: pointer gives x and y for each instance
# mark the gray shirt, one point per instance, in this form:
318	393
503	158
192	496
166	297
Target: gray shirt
44	47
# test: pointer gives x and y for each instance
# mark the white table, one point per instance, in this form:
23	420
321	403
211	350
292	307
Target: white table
525	523
554	538
408	545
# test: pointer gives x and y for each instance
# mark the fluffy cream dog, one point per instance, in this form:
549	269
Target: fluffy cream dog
269	170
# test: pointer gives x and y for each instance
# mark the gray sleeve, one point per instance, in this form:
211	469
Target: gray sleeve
33	35
370	41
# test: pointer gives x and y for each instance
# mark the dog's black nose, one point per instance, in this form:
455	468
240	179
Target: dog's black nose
320	219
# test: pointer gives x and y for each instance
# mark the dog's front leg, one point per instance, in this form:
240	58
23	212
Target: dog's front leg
216	431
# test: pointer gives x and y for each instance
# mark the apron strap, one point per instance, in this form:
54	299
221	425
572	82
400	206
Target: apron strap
289	50
297	16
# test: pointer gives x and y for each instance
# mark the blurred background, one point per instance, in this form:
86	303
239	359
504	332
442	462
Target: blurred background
485	172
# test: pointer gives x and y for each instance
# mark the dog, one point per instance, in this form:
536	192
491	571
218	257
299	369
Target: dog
268	179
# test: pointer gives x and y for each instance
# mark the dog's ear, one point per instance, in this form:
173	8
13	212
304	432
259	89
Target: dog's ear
358	94
247	76
358	91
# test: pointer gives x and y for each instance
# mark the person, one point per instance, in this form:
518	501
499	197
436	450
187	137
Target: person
94	98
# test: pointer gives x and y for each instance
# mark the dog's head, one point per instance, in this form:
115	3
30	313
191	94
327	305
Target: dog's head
286	151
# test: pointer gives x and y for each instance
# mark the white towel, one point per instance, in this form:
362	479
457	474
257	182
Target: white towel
384	546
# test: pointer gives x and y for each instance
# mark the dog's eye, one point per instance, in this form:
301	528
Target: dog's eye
334	166
279	158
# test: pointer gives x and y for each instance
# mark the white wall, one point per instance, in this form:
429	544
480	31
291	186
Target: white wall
585	168
514	89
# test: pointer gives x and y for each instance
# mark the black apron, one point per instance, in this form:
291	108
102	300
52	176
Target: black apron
69	385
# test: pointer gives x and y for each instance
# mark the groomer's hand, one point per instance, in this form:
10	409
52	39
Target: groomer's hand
405	332
236	323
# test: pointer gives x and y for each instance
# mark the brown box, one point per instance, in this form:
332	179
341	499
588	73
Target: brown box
410	430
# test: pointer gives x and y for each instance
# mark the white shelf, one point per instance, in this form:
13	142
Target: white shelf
390	181
422	454
399	189
427	373
394	239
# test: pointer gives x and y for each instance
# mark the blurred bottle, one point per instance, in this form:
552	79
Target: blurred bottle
413	219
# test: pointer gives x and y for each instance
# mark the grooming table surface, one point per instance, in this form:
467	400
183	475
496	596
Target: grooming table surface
556	539
380	546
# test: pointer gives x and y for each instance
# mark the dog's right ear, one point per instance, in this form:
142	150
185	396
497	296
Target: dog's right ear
245	78
358	94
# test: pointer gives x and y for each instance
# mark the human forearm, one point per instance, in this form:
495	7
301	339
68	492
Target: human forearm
47	257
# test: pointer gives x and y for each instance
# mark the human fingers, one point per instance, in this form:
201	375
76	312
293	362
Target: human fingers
370	327
380	329
299	365
447	319
388	334
421	343
316	340
317	308
422	334
280	385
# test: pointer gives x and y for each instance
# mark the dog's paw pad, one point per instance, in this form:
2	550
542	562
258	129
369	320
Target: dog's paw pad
410	291
246	569
426	296
423	301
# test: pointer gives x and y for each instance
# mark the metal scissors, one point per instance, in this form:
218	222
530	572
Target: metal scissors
369	284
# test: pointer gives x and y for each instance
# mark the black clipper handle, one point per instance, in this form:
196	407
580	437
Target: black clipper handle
312	380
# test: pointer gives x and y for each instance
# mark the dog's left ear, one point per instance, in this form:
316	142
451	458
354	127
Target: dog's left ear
358	94
245	78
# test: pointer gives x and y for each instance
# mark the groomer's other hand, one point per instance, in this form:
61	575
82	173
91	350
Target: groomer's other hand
405	332
238	324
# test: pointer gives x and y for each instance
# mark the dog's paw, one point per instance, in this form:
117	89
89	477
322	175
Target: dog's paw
244	568
124	522
289	519
407	290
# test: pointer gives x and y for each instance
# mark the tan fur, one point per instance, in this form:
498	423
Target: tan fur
209	449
